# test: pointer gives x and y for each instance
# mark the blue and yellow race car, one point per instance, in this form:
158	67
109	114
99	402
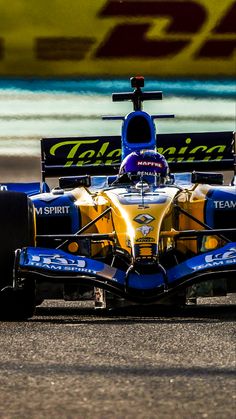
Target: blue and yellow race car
138	218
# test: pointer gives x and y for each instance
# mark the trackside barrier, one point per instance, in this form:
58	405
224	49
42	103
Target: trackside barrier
113	38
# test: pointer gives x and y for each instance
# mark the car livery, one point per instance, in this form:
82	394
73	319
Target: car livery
126	242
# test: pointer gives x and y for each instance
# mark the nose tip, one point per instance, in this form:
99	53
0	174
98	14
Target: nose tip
145	254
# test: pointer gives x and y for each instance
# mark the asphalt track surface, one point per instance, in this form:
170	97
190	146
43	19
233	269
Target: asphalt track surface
70	362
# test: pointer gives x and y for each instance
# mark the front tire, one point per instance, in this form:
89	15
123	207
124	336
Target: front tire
17	230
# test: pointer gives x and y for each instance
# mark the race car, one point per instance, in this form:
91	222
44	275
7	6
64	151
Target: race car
140	218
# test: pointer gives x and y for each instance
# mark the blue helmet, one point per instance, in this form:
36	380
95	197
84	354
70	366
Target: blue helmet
147	165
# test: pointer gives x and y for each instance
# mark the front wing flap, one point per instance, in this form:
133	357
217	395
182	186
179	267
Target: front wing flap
53	265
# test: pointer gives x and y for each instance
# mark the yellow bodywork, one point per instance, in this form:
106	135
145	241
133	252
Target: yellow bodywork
138	237
193	202
145	225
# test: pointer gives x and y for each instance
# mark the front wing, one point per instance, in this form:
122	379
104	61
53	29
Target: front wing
55	266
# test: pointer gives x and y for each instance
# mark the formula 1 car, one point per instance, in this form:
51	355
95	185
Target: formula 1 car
123	226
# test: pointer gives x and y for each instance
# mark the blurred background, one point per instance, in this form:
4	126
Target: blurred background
60	61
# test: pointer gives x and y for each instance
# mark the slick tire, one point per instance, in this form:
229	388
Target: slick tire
17	305
17	230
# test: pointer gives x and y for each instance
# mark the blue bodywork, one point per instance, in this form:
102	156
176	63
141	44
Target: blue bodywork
29	189
60	264
57	205
220	201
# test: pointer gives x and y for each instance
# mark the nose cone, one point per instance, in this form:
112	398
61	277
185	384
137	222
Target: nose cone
137	220
148	223
145	243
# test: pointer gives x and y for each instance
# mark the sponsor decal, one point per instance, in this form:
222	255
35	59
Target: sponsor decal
77	152
144	229
57	259
225	204
218	259
229	254
168	42
144	218
185	30
53	210
58	263
107	150
145	240
149	163
146	173
191	152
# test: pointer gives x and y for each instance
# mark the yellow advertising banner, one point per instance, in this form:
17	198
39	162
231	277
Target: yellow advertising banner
175	38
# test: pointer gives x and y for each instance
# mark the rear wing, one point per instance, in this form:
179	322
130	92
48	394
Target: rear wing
101	155
72	156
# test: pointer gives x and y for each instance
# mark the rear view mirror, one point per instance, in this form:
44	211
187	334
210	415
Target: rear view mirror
70	182
204	178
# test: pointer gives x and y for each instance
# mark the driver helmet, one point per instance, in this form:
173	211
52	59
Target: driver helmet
145	165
